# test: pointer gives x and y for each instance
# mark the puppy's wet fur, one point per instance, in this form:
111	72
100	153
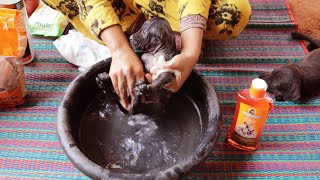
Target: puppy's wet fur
154	39
296	81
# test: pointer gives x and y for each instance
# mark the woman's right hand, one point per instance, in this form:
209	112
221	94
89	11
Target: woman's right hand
125	71
126	67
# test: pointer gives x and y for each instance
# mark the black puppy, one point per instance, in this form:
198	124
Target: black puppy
296	81
154	39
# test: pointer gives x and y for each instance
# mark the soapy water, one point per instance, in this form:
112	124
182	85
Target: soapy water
139	143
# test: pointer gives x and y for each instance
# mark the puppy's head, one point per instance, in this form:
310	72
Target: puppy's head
154	34
284	82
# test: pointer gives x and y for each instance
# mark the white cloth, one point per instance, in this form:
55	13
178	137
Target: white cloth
80	50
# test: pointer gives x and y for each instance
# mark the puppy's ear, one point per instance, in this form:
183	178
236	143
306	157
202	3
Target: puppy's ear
264	75
294	92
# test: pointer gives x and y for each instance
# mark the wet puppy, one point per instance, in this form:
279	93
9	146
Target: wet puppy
156	40
296	81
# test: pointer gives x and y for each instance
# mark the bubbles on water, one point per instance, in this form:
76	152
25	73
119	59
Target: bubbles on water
101	114
107	112
133	149
130	123
166	152
144	125
137	143
144	144
114	166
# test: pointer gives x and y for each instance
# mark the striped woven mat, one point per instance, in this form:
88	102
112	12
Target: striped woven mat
289	146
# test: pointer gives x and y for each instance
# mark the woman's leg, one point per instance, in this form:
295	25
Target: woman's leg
167	9
227	18
173	10
75	12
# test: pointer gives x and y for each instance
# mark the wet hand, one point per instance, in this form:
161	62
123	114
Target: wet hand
181	65
126	68
125	71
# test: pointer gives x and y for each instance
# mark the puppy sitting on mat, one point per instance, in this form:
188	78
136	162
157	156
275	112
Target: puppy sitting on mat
296	81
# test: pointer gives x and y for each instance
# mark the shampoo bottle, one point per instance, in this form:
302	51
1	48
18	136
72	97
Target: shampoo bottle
252	109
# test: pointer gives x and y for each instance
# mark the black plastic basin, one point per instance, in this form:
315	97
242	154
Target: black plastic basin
104	143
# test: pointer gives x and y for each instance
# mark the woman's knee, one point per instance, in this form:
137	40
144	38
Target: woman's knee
227	19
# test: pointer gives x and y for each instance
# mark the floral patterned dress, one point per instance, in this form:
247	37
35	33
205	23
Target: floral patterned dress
223	19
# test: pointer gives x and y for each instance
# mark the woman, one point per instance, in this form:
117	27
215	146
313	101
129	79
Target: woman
106	21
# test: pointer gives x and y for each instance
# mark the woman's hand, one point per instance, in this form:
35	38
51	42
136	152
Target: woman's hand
183	63
179	66
126	67
125	71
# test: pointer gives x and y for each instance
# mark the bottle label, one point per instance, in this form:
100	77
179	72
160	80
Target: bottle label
249	123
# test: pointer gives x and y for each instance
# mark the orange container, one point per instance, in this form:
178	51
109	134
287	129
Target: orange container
252	109
13	33
13	38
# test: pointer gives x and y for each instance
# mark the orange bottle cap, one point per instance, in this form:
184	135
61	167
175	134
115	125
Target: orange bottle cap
258	88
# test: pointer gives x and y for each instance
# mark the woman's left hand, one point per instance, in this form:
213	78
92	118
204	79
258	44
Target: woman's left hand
181	65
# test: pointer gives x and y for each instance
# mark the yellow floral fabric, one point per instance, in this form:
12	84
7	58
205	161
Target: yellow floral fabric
225	18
